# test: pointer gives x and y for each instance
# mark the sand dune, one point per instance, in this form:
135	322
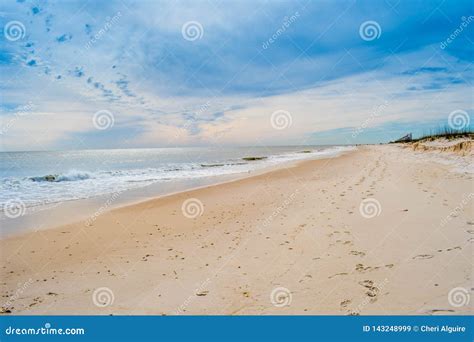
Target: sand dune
461	146
370	232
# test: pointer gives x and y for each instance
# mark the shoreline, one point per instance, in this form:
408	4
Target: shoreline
93	202
295	240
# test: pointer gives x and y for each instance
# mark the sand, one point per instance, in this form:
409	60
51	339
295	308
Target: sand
290	241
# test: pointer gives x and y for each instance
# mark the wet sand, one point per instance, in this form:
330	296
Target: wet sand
370	232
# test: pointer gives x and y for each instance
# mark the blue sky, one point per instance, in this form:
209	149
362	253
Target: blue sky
216	72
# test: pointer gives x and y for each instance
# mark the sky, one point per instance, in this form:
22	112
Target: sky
131	74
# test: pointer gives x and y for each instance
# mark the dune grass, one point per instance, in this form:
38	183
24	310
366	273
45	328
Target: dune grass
445	132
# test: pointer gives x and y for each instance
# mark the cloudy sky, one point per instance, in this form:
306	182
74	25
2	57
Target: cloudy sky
123	74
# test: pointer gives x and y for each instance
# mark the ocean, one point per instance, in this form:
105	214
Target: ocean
39	179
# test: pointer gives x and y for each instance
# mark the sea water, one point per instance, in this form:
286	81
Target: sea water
38	179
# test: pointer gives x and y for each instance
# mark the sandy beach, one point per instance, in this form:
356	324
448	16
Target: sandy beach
378	230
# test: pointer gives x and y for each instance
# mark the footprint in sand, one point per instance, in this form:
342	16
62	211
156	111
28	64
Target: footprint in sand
357	253
362	268
345	303
337	274
423	256
372	291
435	311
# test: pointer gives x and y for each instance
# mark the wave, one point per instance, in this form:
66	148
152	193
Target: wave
70	176
186	170
223	164
78	184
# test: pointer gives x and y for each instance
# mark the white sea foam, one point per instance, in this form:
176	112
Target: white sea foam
138	171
